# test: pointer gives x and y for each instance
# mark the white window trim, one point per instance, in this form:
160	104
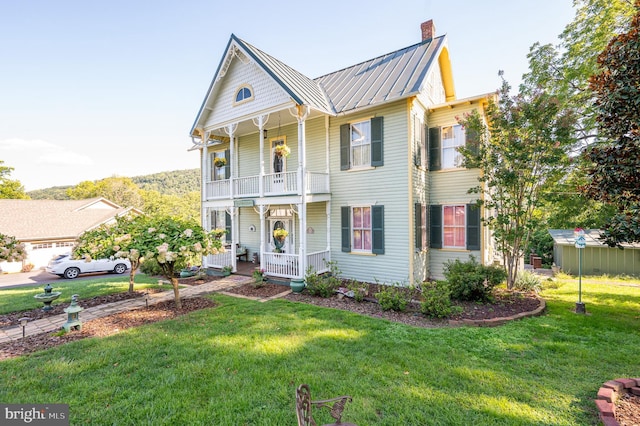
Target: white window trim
353	229
456	154
245	100
212	166
366	164
273	142
464	226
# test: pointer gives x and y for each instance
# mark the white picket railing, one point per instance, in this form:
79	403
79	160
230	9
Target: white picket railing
219	260
274	184
280	264
318	261
218	189
281	183
247	186
317	183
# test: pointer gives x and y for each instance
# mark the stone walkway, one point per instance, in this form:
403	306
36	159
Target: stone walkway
54	323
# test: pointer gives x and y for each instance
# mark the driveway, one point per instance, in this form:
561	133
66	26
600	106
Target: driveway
39	276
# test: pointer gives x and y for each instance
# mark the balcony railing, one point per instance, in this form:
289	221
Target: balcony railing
273	184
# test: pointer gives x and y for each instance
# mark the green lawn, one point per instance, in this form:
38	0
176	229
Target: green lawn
21	298
239	364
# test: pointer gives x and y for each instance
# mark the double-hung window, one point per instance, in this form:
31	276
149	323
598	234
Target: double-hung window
361	144
454	227
452	138
361	230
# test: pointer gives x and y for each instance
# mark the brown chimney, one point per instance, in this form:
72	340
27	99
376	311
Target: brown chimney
428	30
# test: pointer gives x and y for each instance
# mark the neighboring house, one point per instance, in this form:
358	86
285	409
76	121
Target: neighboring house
51	227
597	257
373	180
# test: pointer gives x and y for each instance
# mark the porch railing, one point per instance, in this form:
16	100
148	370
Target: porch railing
318	261
281	183
274	184
280	264
218	189
219	260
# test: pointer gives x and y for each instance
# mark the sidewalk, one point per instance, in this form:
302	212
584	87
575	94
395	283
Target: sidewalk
54	323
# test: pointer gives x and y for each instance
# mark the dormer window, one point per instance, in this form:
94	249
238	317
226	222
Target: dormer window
244	93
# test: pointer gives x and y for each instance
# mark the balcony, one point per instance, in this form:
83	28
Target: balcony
273	184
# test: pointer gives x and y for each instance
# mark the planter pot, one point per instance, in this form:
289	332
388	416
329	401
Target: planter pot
297	286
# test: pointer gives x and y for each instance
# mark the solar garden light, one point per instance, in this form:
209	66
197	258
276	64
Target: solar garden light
23	322
146	298
73	315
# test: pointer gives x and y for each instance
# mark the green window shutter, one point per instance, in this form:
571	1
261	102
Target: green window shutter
345	147
435	226
345	215
227	227
377	131
434	148
418	224
377	229
417	145
227	167
473	227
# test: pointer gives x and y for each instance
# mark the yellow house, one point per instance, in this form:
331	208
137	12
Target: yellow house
357	167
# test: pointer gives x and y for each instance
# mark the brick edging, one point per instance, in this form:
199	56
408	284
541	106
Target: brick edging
502	320
609	393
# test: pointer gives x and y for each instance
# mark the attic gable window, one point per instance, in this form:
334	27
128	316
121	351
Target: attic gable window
244	94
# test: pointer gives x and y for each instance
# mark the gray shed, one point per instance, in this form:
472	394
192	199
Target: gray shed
597	257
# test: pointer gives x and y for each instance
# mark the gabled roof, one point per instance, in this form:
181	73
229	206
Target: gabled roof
32	220
387	78
396	75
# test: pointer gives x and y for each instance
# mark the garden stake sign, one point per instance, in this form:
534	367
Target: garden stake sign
580	244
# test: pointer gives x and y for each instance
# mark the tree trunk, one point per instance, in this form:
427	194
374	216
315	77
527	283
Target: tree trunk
132	275
176	292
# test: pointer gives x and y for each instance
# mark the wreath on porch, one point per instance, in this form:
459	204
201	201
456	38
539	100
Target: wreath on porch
282	150
220	161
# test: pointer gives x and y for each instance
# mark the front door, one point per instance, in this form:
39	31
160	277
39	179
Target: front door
277	242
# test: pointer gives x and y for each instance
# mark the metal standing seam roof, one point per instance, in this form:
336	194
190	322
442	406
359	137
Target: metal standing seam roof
31	220
386	78
566	237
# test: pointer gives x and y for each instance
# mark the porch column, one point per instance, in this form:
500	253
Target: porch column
302	113
230	130
262	233
262	121
233	212
203	177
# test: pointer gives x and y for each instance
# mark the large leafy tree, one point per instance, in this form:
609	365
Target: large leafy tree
9	188
121	190
614	172
521	151
119	239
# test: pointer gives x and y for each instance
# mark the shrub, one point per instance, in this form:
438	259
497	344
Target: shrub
359	289
150	267
527	281
323	285
436	300
393	298
258	278
472	281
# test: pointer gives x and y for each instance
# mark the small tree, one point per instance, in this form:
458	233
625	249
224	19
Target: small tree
11	250
118	240
170	241
520	152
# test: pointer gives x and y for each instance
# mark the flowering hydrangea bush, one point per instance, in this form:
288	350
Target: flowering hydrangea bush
11	250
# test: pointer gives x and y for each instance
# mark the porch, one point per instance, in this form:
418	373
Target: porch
283	265
287	183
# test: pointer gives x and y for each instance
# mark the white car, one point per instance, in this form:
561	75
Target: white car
66	267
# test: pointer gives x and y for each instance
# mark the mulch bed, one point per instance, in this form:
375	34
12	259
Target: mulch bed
106	326
628	410
264	291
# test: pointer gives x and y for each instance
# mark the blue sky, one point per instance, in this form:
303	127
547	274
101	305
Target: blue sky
92	89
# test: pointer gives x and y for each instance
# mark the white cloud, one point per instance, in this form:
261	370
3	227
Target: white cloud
42	152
